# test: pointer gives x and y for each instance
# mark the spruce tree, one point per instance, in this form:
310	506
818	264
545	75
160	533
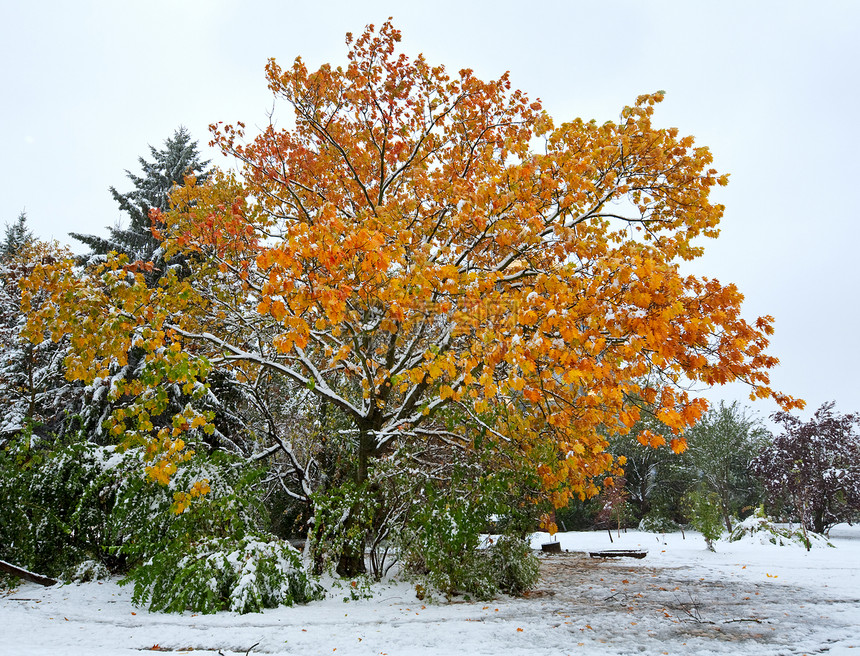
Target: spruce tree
168	168
17	236
32	385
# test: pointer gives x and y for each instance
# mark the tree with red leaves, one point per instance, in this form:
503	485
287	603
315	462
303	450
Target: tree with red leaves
814	467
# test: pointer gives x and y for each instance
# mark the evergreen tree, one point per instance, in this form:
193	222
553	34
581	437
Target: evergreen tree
17	236
168	168
32	385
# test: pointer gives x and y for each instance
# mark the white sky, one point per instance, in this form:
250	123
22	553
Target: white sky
771	87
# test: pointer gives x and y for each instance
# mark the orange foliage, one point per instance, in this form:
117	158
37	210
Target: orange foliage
405	233
440	242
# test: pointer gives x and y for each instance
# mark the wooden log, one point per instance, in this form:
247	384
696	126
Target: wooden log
618	553
27	575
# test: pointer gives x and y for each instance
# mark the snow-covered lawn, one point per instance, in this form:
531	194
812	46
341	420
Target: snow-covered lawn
747	598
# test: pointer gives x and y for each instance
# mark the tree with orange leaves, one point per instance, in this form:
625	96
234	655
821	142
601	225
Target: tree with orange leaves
435	261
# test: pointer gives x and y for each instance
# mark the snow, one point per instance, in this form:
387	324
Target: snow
747	598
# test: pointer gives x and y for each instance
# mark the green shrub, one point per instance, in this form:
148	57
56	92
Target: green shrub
442	548
60	498
144	521
703	508
760	528
244	575
214	555
516	568
88	570
655	522
439	547
80	507
343	518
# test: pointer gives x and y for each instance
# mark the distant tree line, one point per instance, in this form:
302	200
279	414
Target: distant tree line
809	473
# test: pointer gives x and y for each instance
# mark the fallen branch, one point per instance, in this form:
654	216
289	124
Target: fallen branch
27	575
694	614
221	653
743	619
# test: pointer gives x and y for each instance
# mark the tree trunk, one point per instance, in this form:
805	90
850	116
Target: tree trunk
366	449
351	562
727	518
27	575
31	365
351	565
818	521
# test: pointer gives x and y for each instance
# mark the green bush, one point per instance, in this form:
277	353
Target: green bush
516	568
144	521
439	547
443	549
343	518
703	508
57	500
80	509
244	575
88	570
216	554
655	522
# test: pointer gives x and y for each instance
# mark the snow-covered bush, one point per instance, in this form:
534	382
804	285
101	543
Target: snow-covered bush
148	516
56	499
342	520
88	570
441	549
506	566
516	567
657	523
244	575
760	529
77	509
211	553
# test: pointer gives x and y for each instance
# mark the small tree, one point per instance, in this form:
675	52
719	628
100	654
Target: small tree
814	467
721	447
615	510
703	508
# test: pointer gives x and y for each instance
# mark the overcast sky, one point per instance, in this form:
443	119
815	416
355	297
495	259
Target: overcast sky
773	88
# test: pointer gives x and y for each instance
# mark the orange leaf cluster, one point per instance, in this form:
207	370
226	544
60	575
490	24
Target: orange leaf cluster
406	236
406	250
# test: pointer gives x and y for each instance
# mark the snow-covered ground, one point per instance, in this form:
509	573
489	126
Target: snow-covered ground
746	598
